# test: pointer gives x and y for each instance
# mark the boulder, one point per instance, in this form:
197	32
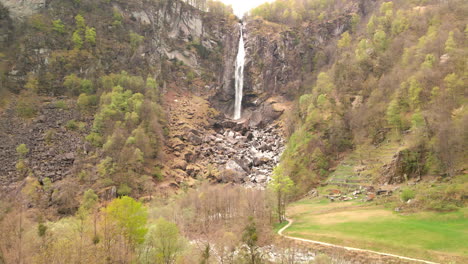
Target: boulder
234	166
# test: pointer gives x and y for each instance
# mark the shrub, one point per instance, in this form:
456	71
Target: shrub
135	40
90	36
71	125
58	26
407	194
124	190
77	40
22	150
26	108
61	105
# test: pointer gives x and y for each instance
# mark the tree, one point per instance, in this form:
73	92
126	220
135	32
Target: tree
324	83
380	40
163	243
393	113
80	23
90	36
22	150
130	218
58	26
250	239
282	186
77	40
345	40
450	44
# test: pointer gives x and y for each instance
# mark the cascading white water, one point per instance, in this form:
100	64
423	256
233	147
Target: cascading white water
239	76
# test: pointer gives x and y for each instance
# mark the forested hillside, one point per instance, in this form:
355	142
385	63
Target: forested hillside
397	74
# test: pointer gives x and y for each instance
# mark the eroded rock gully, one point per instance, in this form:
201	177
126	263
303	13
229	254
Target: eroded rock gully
205	144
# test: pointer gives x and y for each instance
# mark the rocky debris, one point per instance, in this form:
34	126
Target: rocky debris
312	193
234	151
53	150
24	8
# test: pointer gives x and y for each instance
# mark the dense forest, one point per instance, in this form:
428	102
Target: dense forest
113	121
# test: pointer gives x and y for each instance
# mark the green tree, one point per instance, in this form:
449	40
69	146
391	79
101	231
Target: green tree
90	36
450	44
163	243
345	40
22	151
394	113
90	199
80	23
135	40
428	61
130	218
400	23
58	26
380	40
414	90
324	83
77	40
250	239
282	186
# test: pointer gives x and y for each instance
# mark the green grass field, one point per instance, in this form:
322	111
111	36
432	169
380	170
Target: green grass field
441	237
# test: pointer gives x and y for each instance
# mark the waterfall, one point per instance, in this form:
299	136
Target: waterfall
239	76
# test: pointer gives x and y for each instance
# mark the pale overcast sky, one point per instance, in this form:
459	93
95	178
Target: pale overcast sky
242	6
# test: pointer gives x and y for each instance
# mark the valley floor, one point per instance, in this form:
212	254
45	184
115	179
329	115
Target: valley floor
439	237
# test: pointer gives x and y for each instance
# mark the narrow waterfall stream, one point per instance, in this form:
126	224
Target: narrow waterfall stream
239	75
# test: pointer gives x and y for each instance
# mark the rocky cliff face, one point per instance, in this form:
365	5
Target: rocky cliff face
278	59
173	32
23	8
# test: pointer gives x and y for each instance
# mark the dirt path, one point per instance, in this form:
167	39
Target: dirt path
280	232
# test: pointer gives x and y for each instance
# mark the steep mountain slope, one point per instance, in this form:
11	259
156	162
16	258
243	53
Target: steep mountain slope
396	74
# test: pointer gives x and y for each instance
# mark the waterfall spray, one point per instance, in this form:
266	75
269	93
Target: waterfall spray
239	76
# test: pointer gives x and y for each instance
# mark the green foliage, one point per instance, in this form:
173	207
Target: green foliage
386	6
130	217
47	184
414	90
41	229
345	40
61	104
77	40
117	18
90	199
324	83
450	44
90	36
428	61
282	186
380	40
355	20
58	26
407	194
86	102
124	190
400	23
164	243
363	50
445	197
26	107
135	40
106	167
39	22
80	24
250	239
417	120
22	151
71	125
